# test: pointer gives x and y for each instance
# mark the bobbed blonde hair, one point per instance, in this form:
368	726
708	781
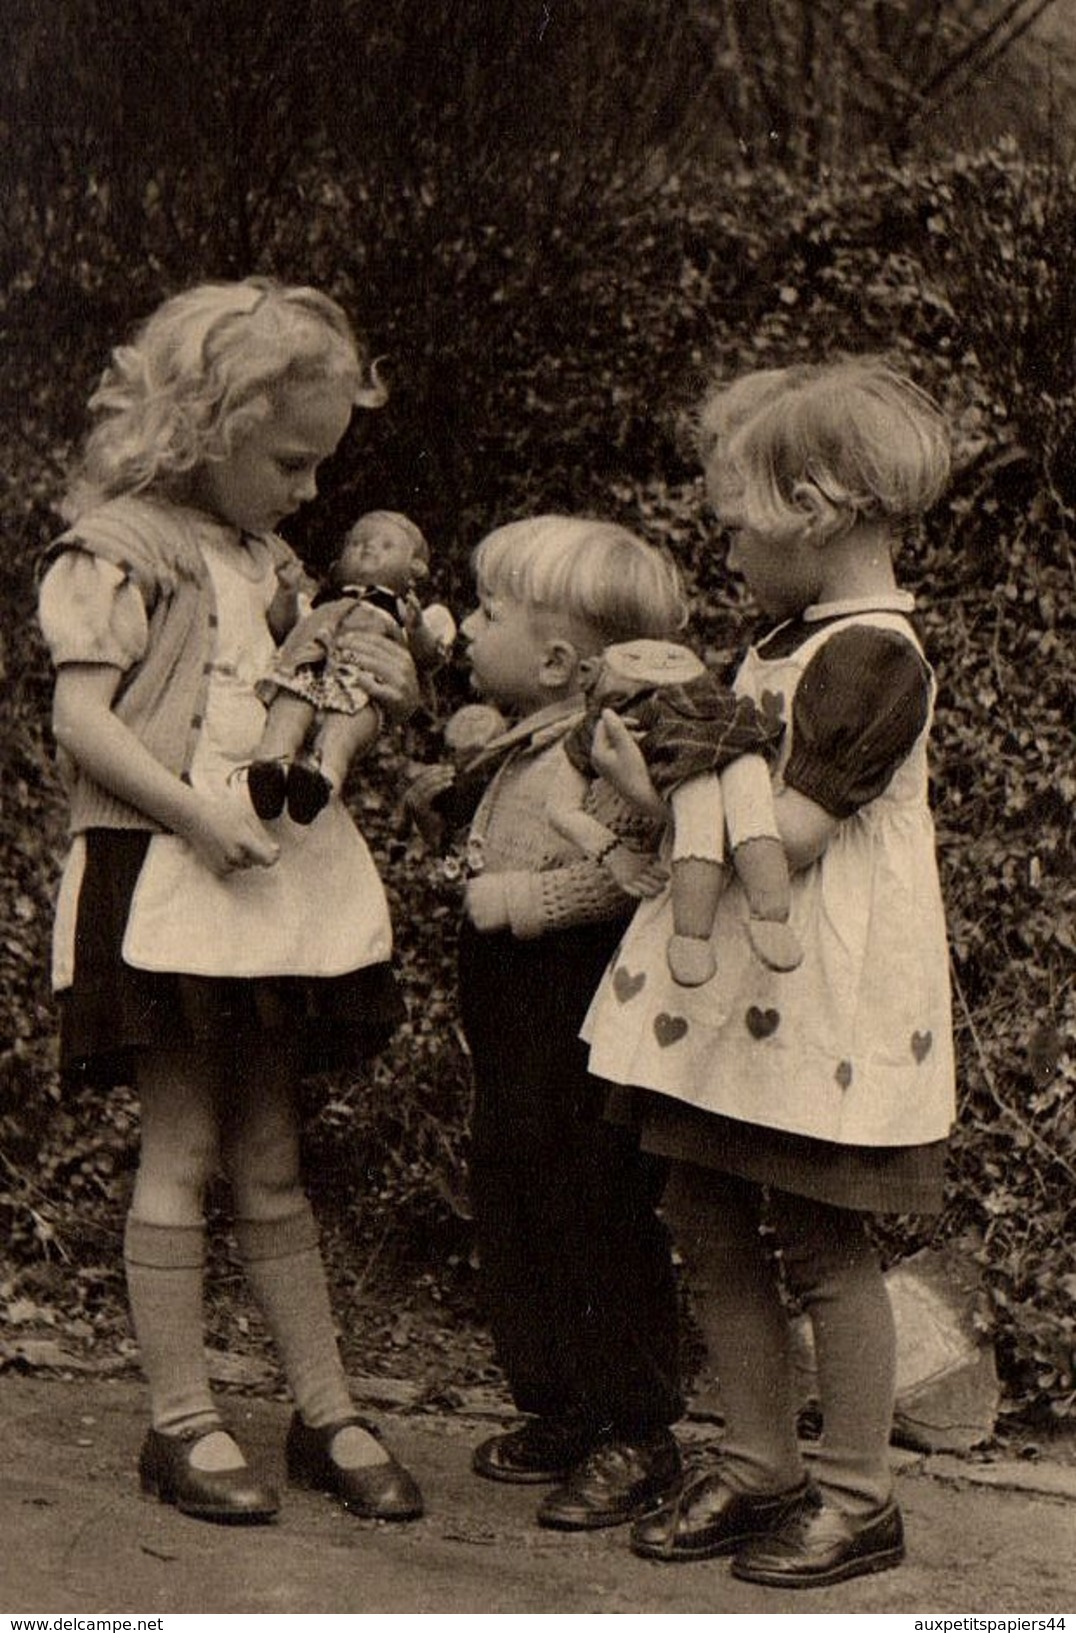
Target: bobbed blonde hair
201	370
597	580
824	446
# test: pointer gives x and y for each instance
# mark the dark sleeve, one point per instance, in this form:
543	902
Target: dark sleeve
860	705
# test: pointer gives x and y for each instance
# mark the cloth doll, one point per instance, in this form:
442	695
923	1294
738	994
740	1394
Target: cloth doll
320	716
707	753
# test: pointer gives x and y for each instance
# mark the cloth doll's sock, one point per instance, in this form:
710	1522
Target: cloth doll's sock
284	1263
164	1267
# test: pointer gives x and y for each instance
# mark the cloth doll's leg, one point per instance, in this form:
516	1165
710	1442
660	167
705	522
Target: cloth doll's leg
758	857
698	878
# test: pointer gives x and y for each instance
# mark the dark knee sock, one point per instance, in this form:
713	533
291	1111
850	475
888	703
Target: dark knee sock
164	1267
284	1264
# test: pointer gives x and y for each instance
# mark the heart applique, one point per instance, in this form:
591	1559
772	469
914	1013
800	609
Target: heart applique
669	1028
922	1043
772	707
626	986
762	1023
843	1074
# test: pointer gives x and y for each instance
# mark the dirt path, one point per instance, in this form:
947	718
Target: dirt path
79	1538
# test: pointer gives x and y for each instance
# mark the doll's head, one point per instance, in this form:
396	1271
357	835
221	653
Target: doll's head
385	548
201	373
629	668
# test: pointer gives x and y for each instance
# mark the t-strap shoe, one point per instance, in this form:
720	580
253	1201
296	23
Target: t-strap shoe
229	1496
375	1491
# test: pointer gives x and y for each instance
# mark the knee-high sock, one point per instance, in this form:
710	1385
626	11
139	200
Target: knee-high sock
831	1264
737	1303
164	1266
284	1264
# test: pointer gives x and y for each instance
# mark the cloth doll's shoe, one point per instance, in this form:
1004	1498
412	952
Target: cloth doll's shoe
375	1491
267	785
691	960
308	792
227	1496
776	943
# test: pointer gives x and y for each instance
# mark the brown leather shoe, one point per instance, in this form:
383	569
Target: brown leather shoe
375	1491
817	1545
225	1496
620	1481
542	1452
708	1518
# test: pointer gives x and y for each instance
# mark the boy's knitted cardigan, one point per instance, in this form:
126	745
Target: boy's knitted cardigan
549	884
162	697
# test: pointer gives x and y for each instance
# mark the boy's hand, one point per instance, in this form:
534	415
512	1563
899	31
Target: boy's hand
637	875
423	789
485	902
616	756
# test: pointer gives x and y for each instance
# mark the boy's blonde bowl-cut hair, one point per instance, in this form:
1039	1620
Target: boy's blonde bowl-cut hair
603	581
825	444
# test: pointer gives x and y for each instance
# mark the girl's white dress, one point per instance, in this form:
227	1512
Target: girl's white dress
321	909
854	1046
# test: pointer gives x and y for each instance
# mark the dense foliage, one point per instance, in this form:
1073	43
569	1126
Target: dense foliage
549	319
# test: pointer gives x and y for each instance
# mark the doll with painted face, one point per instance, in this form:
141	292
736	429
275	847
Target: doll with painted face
707	752
320	717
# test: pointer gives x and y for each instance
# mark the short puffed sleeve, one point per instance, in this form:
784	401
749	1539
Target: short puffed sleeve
860	705
91	612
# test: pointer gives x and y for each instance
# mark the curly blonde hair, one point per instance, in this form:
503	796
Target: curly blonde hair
200	371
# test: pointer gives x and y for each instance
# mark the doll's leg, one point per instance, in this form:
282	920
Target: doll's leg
314	779
698	878
758	857
287	724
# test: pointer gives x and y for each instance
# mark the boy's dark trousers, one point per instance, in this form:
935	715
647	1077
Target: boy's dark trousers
576	1267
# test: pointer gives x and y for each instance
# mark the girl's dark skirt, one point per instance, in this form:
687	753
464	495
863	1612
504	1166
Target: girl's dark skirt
113	1012
867	1179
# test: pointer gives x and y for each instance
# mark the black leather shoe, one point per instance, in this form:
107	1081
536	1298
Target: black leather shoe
308	792
541	1452
226	1496
377	1491
708	1518
817	1545
267	785
620	1481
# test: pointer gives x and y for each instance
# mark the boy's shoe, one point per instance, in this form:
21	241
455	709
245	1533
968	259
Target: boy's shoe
816	1546
708	1518
267	785
227	1496
308	792
543	1451
621	1480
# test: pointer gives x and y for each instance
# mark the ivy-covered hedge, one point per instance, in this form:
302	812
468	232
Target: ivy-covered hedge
559	371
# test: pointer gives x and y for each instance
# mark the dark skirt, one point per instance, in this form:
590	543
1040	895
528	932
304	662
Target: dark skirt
112	1012
867	1179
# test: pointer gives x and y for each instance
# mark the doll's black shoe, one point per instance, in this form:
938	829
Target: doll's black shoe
226	1496
267	785
376	1491
308	792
